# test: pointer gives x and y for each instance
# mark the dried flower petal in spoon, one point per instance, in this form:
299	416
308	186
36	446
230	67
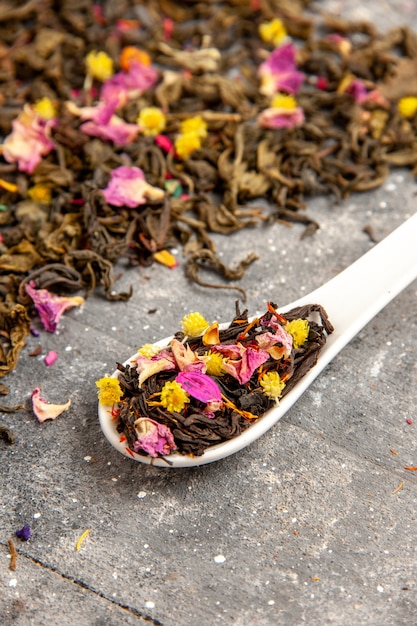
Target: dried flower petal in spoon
207	384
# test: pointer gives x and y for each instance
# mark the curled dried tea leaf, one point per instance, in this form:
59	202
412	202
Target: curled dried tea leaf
208	259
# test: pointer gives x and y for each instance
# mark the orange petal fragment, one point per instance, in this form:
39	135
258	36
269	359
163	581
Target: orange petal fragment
211	335
165	258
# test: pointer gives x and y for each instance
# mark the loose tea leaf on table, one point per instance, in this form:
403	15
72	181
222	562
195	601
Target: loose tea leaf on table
208	385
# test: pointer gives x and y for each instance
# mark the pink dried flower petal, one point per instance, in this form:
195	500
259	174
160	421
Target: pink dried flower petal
49	306
45	411
164	143
275	117
51	357
241	362
153	438
279	72
125	86
267	340
29	140
200	386
128	187
161	362
186	360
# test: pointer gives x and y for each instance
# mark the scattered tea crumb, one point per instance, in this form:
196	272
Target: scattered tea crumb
7	434
36	351
81	539
398	488
13	554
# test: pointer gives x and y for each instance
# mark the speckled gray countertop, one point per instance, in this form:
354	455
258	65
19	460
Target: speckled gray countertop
304	526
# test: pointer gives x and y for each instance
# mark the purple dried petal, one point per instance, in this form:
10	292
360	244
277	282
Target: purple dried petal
24	533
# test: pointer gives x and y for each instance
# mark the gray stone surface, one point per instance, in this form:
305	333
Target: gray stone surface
304	526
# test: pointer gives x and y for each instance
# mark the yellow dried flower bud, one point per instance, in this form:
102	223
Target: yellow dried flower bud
272	385
186	144
99	65
273	32
149	350
151	121
299	330
194	324
284	101
40	193
174	397
195	125
45	108
214	363
109	390
407	107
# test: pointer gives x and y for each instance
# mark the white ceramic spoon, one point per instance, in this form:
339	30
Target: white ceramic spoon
351	299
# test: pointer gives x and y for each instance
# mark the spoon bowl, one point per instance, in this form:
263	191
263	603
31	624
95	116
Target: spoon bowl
351	300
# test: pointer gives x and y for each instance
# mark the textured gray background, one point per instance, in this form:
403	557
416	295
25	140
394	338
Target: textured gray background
301	527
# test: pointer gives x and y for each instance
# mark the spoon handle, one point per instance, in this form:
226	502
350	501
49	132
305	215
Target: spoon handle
356	295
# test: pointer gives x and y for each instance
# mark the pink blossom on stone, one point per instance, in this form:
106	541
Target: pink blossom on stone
125	86
49	306
277	117
29	140
128	187
153	438
51	357
279	72
45	411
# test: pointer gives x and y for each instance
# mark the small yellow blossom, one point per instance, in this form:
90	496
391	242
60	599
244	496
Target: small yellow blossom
99	65
272	385
214	363
186	144
109	390
273	32
174	397
195	125
299	330
194	324
45	108
40	193
407	107
151	120
284	101
149	350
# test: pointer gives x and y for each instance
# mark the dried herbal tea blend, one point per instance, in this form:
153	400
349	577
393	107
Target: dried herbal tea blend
210	384
129	128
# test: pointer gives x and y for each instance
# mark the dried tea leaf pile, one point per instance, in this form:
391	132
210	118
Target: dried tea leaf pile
203	390
130	128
